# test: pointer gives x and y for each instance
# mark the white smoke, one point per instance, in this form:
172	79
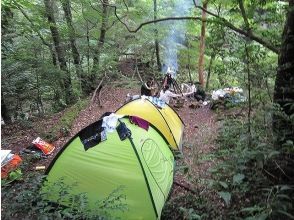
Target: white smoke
176	34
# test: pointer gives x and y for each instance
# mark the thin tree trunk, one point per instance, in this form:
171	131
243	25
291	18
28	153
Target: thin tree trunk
66	4
100	43
39	97
209	69
50	47
59	49
249	94
88	49
156	37
284	84
4	109
202	46
189	63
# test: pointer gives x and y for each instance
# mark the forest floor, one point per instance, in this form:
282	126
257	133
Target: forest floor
201	128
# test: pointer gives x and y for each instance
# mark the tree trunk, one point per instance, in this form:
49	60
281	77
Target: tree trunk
189	63
4	110
59	49
209	70
284	84
156	37
50	47
100	43
6	20
202	46
72	36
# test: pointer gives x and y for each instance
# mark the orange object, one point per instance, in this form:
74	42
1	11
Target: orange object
10	166
45	147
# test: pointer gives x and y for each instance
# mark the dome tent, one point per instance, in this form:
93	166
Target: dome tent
143	164
165	119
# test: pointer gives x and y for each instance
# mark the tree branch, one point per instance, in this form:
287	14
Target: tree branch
220	20
250	35
126	5
33	25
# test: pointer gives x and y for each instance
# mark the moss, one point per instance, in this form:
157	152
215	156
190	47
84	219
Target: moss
63	127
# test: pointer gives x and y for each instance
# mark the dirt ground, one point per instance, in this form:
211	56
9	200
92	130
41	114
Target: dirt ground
199	135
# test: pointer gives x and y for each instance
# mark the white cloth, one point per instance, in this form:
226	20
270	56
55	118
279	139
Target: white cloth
109	122
167	95
188	88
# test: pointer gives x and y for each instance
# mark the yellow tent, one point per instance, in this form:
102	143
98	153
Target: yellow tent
165	119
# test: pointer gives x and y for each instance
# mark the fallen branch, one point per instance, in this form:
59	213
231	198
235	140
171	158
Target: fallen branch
137	71
186	188
99	96
94	94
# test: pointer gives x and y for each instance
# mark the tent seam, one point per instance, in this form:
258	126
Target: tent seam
145	177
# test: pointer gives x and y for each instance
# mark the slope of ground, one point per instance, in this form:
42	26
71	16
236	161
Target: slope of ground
199	134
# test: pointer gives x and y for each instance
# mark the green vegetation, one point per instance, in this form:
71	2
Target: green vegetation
26	200
56	52
64	124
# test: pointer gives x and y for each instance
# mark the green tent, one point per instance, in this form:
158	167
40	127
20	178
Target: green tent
142	165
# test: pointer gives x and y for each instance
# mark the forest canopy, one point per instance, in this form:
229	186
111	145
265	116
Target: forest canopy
54	52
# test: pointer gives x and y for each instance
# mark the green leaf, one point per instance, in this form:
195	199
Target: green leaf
238	178
226	196
252	209
273	153
223	184
285	187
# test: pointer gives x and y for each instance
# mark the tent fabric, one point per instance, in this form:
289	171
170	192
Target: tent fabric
142	164
166	120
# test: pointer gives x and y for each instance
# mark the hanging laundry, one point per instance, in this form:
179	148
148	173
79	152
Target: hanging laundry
110	122
140	122
94	140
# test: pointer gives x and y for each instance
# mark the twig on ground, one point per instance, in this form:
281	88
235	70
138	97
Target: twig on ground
186	188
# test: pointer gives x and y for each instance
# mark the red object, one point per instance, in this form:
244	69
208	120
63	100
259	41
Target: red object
12	165
45	147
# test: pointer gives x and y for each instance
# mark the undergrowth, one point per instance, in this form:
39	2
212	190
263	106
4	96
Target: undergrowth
64	124
26	200
250	176
245	178
189	206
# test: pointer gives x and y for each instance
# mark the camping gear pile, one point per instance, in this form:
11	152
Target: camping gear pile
227	97
131	148
9	163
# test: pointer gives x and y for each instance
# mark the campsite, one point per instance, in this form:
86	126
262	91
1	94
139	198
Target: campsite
147	109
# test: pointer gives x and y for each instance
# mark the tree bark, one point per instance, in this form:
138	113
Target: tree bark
209	69
4	109
100	43
66	4
59	49
284	84
189	63
156	37
202	46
